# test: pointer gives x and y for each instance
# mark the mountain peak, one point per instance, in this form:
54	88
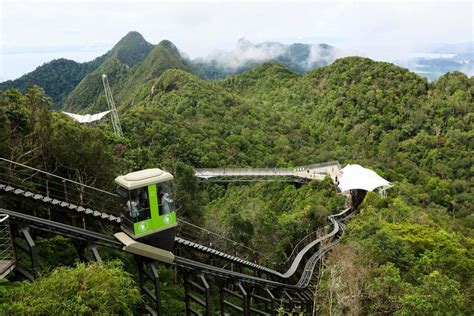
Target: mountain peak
131	38
169	46
243	43
131	49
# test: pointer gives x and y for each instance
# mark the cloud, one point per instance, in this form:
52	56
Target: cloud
376	29
245	52
304	56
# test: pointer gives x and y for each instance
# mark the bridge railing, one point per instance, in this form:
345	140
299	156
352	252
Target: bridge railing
283	266
320	232
218	241
321	165
41	182
243	171
261	171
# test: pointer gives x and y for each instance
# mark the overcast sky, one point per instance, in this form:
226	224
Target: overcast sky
36	31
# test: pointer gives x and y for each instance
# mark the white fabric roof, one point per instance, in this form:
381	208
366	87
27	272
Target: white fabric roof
358	177
88	118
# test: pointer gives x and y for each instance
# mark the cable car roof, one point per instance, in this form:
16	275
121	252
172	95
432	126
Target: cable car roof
143	178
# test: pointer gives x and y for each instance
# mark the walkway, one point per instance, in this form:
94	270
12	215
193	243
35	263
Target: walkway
310	172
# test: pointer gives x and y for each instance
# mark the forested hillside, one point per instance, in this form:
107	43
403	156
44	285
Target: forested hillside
117	64
411	253
58	78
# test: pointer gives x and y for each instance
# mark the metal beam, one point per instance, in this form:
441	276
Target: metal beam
32	251
245	299
207	294
95	253
272	301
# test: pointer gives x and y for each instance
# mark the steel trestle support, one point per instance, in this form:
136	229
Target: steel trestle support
149	274
31	250
202	298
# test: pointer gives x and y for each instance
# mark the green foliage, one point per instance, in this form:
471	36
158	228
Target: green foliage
163	57
58	78
187	190
116	64
49	248
385	290
89	93
131	49
415	134
436	295
96	288
248	213
53	141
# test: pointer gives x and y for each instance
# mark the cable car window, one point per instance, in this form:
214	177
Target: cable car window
134	204
165	197
124	199
139	204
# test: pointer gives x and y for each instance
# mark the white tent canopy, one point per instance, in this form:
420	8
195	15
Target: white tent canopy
88	118
357	177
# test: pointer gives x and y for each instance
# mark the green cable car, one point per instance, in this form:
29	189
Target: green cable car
147	207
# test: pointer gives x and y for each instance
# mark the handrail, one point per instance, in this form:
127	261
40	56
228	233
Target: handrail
235	243
294	171
53	186
302	242
56	176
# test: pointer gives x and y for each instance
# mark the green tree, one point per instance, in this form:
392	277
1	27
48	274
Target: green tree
436	295
95	288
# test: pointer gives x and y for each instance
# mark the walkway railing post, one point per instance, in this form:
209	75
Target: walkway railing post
65	190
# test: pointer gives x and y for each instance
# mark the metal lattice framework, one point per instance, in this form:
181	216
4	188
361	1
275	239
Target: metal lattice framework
111	103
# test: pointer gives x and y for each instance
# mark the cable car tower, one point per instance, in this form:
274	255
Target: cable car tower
110	101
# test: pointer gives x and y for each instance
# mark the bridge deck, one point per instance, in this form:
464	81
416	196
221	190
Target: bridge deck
311	172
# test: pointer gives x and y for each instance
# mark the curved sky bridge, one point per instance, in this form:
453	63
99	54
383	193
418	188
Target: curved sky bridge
296	174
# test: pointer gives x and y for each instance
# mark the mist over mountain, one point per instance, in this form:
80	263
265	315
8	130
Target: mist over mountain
456	48
440	59
297	57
